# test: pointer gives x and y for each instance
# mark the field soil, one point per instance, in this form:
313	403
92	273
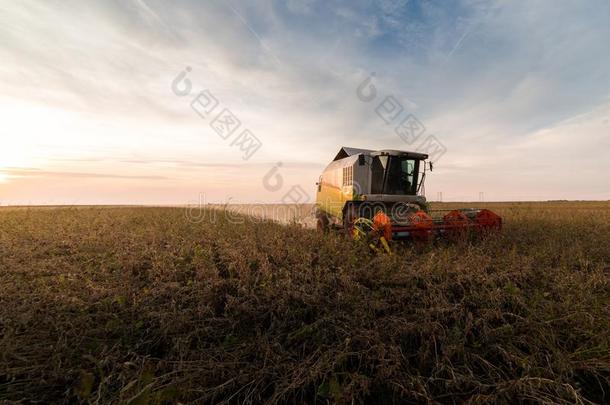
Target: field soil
160	305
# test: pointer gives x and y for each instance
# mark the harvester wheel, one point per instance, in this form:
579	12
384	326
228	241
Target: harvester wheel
349	216
322	223
365	230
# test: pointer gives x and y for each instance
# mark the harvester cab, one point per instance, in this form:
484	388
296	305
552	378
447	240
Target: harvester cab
385	191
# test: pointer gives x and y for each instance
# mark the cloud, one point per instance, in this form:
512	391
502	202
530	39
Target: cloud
485	77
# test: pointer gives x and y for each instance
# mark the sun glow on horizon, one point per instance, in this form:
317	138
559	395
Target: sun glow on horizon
28	126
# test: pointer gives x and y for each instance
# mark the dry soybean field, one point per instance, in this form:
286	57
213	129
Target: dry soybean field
148	305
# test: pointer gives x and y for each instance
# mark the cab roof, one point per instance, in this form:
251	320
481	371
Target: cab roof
347	151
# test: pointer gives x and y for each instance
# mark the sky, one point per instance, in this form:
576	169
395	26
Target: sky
156	102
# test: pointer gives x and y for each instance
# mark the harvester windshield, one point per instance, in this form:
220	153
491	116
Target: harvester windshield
395	175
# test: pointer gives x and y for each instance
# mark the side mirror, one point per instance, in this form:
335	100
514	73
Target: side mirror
431	166
361	160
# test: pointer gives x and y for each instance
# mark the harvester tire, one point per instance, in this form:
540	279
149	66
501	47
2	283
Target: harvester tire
322	223
349	216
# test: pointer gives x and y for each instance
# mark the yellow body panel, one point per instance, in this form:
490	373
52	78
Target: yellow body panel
331	199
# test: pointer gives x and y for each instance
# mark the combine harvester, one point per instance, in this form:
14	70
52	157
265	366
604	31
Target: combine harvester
380	195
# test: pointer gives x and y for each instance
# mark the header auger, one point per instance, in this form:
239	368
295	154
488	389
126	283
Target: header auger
379	195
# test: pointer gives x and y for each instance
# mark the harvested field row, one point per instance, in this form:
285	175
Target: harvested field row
142	304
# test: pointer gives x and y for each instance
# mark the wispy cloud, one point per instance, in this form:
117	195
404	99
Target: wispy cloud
90	81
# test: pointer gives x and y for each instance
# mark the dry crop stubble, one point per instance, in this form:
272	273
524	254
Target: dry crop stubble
129	304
